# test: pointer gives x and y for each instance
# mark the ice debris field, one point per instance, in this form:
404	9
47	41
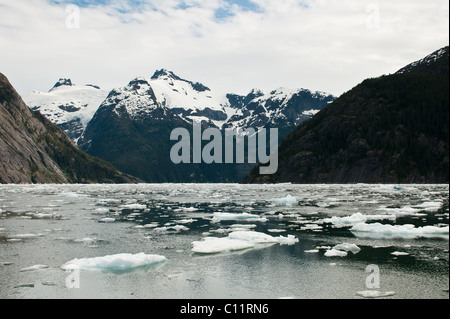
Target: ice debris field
167	227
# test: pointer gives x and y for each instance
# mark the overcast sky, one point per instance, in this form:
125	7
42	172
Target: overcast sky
228	45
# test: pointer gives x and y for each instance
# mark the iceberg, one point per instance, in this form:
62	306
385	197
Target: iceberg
119	262
211	245
348	247
349	221
335	253
239	240
375	294
35	267
286	201
218	217
408	231
289	240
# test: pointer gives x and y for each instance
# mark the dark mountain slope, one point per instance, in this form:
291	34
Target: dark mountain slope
33	150
392	129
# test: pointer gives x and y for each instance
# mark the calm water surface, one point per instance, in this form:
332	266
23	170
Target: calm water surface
46	226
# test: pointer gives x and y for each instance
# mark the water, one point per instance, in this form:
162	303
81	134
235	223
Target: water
50	225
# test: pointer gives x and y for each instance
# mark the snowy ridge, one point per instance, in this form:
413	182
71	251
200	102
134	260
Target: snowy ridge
429	59
72	107
67	105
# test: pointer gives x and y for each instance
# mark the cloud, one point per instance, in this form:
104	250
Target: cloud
229	45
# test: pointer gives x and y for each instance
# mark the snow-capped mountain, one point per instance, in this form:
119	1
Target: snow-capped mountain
132	126
69	106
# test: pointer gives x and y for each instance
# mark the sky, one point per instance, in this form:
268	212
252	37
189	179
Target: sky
231	46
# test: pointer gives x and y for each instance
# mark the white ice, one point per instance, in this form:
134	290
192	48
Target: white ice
121	262
374	294
335	253
239	240
285	201
35	267
409	231
218	217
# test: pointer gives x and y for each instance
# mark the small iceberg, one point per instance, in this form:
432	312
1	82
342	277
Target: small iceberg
239	240
119	262
286	201
375	294
32	268
335	253
218	217
402	231
357	218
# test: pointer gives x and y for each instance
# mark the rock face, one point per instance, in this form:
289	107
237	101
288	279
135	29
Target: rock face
34	150
392	129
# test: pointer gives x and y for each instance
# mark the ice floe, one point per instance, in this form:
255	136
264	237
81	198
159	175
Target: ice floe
239	240
335	253
348	221
285	201
375	294
218	217
118	262
35	267
409	231
400	253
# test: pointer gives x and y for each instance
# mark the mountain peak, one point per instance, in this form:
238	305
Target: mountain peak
164	73
61	82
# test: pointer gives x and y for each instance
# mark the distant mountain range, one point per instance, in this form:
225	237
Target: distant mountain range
391	129
130	126
34	150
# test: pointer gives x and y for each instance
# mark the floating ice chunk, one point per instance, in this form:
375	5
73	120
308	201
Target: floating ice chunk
289	240
275	230
348	247
375	294
244	226
211	245
119	262
107	220
399	253
335	253
405	210
186	221
238	240
346	221
35	267
190	209
430	206
176	228
26	236
134	206
409	231
311	251
286	201
38	215
218	217
253	237
101	210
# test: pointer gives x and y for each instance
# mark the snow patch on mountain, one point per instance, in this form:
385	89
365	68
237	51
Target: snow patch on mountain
67	105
